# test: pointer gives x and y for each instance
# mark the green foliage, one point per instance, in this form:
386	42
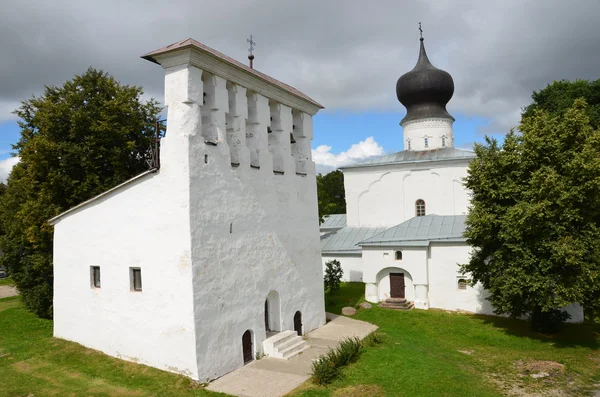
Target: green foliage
559	96
331	194
534	221
548	322
76	142
324	371
374	338
333	275
328	367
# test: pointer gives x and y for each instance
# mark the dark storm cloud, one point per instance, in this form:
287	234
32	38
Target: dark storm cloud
345	54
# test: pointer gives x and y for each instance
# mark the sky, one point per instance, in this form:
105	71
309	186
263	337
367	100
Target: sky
345	54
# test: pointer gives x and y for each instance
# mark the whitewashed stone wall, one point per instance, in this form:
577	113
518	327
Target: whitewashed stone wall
386	195
229	220
352	265
428	134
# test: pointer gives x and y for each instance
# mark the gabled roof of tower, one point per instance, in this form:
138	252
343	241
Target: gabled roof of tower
420	231
191	43
411	156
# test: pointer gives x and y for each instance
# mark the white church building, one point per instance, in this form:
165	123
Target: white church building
402	234
190	266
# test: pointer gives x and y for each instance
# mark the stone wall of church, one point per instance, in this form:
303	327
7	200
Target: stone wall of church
386	195
352	265
253	215
428	134
228	220
143	224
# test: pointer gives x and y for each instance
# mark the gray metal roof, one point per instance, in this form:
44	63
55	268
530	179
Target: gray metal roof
345	240
333	221
411	156
421	230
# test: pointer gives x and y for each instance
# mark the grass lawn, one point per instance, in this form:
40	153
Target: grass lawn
32	363
6	281
435	353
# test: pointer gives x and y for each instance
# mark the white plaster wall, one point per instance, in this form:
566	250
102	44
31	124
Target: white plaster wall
253	231
352	265
143	224
443	280
386	195
380	261
433	129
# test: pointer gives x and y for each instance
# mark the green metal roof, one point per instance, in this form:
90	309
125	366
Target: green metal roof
420	231
333	221
411	156
345	240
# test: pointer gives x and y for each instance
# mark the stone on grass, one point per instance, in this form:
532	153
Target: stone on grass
348	311
365	305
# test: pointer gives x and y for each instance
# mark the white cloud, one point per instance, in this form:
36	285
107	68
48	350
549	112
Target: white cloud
327	161
6	166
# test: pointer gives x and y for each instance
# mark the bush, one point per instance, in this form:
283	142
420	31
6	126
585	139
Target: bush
549	322
327	367
374	338
333	275
324	370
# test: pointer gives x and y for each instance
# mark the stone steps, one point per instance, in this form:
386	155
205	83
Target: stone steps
397	304
284	345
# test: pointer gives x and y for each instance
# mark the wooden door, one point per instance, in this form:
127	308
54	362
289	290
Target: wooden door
247	346
397	286
298	323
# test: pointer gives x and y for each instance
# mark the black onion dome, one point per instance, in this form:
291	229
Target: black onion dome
425	90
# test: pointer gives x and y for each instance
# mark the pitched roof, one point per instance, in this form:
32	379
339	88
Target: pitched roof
411	156
191	43
421	230
346	239
333	221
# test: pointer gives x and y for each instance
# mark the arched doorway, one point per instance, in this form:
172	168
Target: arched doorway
395	282
298	323
247	348
272	312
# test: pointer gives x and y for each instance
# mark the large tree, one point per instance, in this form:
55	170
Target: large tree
559	96
330	193
77	141
534	221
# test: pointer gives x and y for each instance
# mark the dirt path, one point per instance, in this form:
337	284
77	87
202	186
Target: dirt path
6	291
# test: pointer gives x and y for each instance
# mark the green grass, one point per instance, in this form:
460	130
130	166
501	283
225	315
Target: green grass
6	281
435	353
32	363
349	294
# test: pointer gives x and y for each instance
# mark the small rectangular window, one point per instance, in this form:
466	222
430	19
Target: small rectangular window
136	278
95	276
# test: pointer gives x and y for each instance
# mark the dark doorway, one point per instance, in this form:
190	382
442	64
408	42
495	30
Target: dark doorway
298	322
397	286
267	315
247	346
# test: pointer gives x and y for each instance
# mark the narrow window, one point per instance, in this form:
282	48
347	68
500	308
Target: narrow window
408	143
136	278
426	142
462	283
398	255
95	276
420	208
443	141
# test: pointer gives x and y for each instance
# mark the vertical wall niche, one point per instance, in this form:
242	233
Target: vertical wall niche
299	143
275	133
234	120
214	108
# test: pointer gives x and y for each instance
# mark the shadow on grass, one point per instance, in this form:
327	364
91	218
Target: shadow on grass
349	294
572	335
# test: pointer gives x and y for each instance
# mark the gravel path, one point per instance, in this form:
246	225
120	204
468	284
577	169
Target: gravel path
6	291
